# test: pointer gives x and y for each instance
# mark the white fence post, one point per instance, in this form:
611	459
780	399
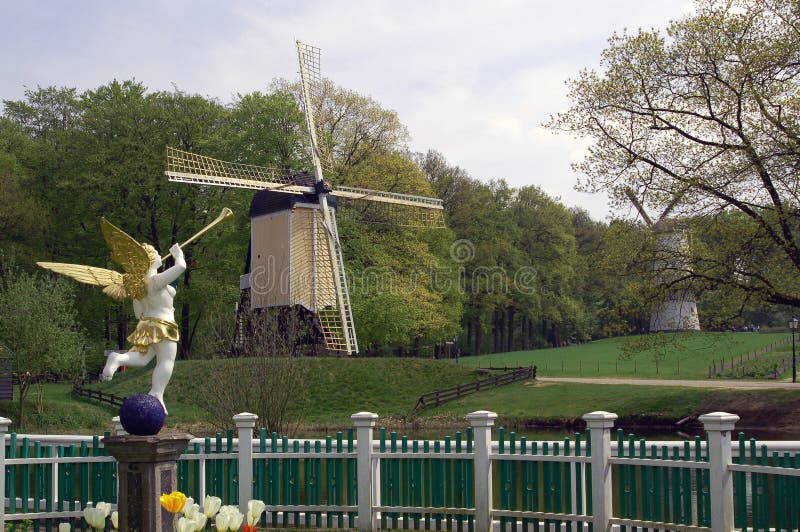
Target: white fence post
482	422
364	422
4	423
719	426
600	424
245	422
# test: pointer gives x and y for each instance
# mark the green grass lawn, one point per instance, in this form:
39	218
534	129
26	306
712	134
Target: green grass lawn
58	412
338	387
683	355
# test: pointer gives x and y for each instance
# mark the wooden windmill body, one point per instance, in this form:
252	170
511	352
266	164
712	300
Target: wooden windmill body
677	310
295	258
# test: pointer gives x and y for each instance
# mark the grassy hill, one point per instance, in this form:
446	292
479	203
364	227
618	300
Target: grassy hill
684	355
337	388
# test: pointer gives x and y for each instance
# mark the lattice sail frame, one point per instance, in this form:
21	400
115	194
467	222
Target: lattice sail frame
312	278
187	167
308	58
314	94
378	206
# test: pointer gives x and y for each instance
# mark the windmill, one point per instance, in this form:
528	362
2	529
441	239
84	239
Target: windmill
295	257
677	311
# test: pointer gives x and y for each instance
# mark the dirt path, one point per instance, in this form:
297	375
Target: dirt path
747	385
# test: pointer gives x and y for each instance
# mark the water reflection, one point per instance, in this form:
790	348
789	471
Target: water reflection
558	434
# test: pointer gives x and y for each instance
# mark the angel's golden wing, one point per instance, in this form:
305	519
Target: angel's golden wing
129	254
111	281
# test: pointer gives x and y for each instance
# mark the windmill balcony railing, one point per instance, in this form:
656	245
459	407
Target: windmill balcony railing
480	479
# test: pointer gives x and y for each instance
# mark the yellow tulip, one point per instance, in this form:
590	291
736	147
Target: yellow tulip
173	502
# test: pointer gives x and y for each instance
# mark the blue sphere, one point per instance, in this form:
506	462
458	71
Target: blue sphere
142	415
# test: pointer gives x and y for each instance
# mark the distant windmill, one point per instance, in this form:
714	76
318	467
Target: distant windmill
677	311
295	257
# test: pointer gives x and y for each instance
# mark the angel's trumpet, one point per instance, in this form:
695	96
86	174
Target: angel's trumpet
224	215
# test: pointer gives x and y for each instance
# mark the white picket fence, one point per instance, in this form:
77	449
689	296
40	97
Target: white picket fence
716	456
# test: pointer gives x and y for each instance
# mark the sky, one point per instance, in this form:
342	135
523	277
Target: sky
474	80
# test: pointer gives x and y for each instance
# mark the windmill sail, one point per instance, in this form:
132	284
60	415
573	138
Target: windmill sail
188	167
309	60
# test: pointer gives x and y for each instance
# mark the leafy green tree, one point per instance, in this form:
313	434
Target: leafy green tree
38	323
20	212
404	291
266	129
704	116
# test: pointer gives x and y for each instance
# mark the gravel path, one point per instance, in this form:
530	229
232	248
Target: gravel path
752	385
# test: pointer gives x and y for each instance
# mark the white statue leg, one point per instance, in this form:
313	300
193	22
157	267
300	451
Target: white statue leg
130	358
166	351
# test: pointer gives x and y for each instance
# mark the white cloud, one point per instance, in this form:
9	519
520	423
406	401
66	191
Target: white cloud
471	79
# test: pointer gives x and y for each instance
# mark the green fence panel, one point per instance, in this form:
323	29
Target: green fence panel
273	475
352	478
11	475
579	477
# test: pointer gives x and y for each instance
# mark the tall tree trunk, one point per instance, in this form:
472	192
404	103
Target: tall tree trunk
531	333
185	346
478	336
523	331
107	326
545	332
511	312
556	335
122	328
469	331
494	331
501	322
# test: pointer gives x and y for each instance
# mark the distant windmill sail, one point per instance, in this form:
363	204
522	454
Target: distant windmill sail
677	309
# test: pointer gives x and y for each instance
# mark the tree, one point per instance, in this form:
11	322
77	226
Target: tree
38	323
705	118
402	288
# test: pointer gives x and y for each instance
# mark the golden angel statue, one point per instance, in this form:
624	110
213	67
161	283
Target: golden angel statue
156	335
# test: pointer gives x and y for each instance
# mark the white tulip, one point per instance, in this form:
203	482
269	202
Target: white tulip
105	507
235	520
191	509
222	522
255	508
199	522
114	519
233	517
185	525
211	506
95	517
64	527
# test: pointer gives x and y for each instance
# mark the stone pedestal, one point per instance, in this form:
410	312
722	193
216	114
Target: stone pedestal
147	468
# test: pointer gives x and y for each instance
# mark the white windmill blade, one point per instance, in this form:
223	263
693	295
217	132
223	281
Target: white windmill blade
336	321
410	200
393	208
308	58
188	167
639	207
310	77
